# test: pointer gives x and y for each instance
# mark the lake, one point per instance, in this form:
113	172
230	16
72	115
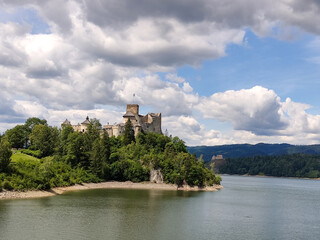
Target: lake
247	208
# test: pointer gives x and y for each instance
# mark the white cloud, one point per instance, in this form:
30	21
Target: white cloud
257	110
300	120
99	53
165	97
192	132
174	78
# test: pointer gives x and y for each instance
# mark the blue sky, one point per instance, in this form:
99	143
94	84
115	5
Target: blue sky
219	72
275	64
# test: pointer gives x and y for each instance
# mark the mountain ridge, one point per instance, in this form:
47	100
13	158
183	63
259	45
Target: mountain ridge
250	150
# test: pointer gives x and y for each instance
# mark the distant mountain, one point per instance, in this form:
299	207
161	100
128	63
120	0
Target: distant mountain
248	150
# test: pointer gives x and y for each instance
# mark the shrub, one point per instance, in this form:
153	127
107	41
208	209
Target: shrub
217	179
7	185
34	153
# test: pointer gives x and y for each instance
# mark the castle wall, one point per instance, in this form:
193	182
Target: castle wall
108	129
148	123
117	130
133	120
83	128
157	124
152	123
76	128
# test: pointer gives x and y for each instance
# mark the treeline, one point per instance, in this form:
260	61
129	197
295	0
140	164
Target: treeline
248	150
46	157
294	165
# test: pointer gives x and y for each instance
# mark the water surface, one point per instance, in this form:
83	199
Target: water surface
247	208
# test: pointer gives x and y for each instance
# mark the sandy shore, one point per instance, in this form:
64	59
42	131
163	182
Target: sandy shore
103	185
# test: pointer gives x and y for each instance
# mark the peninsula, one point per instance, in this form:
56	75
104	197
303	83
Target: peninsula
36	156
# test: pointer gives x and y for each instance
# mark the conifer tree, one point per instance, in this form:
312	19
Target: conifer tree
105	147
5	154
128	134
96	161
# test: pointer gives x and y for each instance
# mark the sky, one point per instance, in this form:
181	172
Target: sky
220	72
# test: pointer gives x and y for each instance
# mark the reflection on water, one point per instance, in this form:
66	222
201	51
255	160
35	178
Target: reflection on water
247	208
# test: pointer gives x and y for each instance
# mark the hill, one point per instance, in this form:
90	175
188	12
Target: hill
62	157
293	165
248	150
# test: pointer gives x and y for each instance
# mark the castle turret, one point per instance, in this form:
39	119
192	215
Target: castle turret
65	123
85	124
133	108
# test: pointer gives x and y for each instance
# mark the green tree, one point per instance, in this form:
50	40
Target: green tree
16	136
30	124
76	153
5	154
99	156
105	146
179	145
64	134
96	159
128	134
92	133
44	138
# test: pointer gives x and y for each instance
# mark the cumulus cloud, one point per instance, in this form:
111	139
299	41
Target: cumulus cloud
299	120
257	110
100	53
165	97
175	78
259	115
23	110
192	132
261	15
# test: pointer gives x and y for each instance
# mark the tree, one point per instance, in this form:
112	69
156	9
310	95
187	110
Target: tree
64	134
5	155
128	134
96	160
16	136
30	124
105	146
99	156
179	145
92	133
44	138
76	153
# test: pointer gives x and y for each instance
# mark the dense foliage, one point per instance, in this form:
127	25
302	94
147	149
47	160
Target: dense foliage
63	157
294	165
248	150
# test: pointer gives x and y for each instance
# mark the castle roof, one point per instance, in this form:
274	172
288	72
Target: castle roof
86	122
66	122
129	114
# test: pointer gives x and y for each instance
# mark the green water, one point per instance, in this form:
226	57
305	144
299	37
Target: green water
247	208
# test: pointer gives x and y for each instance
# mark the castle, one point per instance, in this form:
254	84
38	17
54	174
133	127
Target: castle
148	123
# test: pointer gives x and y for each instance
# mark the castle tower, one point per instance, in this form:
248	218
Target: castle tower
85	124
133	108
65	123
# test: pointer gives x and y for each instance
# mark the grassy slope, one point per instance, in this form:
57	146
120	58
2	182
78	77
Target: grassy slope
18	157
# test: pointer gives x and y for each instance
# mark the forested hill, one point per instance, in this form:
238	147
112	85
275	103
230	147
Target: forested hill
38	156
248	150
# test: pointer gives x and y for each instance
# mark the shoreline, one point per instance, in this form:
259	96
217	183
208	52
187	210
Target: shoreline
103	185
265	176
